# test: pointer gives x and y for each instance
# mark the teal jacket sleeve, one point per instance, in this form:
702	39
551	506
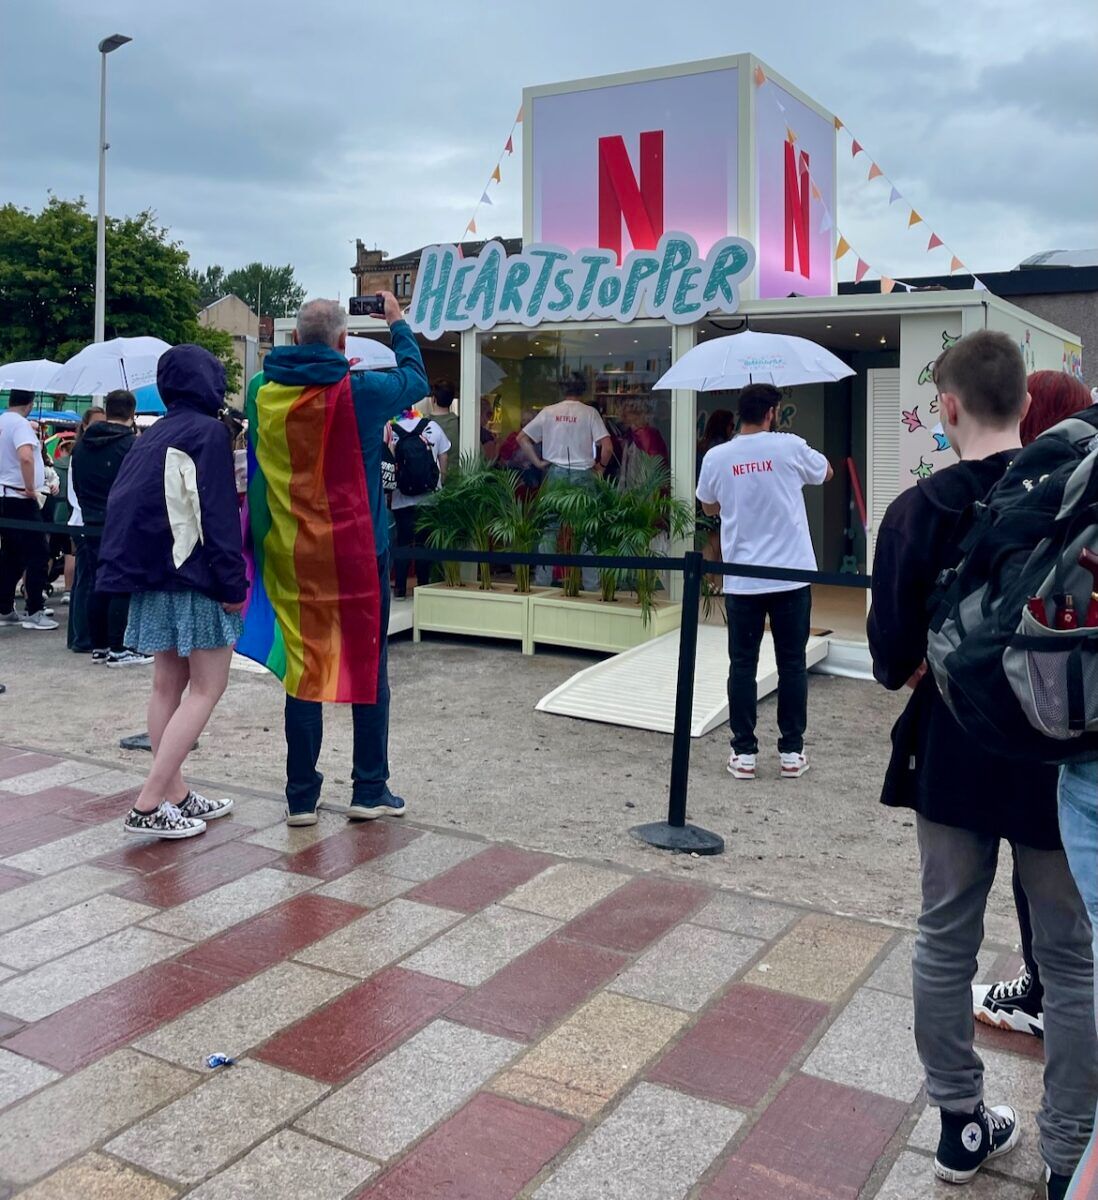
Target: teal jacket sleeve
381	395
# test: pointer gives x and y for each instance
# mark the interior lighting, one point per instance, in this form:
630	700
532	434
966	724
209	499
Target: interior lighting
856	333
884	341
827	327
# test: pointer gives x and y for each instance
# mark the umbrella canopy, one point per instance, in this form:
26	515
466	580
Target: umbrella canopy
367	354
749	357
31	375
104	366
149	403
47	416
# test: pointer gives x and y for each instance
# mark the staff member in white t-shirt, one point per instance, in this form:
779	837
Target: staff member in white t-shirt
22	477
755	483
574	445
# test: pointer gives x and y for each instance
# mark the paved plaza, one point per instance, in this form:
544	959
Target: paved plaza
419	1013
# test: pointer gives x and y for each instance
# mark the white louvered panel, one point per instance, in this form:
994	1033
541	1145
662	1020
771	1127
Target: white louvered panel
637	688
883	429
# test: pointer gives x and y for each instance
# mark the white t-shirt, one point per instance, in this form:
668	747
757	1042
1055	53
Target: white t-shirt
434	437
568	432
758	480
17	431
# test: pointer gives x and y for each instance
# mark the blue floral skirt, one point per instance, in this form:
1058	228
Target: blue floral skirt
180	621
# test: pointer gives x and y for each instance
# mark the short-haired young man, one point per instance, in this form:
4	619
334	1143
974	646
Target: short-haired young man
756	482
96	461
22	551
967	800
443	395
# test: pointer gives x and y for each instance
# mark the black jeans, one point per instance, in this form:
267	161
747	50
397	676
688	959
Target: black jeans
404	519
1025	928
22	552
108	612
789	613
305	732
83	584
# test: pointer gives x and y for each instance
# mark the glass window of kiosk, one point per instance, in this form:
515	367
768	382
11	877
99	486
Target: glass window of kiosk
524	372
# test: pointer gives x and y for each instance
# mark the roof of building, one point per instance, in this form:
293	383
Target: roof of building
468	250
222	299
1027	279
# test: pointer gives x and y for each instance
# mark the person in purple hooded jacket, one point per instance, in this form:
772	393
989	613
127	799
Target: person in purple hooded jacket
172	541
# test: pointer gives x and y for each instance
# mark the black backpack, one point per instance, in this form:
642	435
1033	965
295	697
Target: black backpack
416	467
1022	688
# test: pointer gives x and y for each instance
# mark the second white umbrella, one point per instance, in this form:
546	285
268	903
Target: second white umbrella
32	375
125	362
749	357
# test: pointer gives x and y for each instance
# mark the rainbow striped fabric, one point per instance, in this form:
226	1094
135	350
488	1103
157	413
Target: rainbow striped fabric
314	606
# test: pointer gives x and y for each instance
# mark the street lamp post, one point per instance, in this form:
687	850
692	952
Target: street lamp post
106	46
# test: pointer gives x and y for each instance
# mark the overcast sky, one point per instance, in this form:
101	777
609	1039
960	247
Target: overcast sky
283	131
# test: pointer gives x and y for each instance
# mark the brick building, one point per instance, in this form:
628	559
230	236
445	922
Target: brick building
375	272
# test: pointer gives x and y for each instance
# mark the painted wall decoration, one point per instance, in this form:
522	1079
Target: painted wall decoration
923	447
1072	361
551	283
618	165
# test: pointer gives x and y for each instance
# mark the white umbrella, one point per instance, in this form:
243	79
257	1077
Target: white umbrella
749	357
492	374
367	354
31	375
125	362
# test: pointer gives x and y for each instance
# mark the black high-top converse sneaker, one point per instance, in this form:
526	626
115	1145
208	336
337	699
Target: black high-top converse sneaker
968	1140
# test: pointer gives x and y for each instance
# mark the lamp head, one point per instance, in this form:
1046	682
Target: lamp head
113	42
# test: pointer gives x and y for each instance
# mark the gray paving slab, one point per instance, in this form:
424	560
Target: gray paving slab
291	1166
379	938
564	890
746	915
482	945
19	1077
912	1178
32	901
68	930
428	856
224	906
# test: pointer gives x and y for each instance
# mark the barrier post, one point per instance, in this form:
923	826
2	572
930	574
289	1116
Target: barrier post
675	833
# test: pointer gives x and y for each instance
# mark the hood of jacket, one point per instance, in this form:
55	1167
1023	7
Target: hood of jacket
104	436
190	377
304	366
954	489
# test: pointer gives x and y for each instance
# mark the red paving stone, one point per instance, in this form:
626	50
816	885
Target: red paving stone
538	989
30	832
636	914
815	1140
740	1046
259	943
10	878
23	764
490	1150
342	852
102	808
360	1026
989	1038
88	1029
480	881
15	808
9	752
197	875
146	855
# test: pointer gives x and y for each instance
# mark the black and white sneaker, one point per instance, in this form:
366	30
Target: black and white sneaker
969	1140
127	658
99	657
163	822
198	807
1009	1004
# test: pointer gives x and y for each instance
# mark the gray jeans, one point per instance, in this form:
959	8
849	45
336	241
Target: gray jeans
958	868
543	576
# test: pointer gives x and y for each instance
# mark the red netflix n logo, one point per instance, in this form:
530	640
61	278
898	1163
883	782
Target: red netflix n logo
797	183
622	198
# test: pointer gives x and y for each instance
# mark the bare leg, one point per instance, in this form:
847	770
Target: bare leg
171	674
209	675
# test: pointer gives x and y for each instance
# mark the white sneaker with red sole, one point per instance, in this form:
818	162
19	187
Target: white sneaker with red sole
741	766
793	766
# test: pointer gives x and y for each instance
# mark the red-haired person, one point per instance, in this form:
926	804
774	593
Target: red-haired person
1018	1004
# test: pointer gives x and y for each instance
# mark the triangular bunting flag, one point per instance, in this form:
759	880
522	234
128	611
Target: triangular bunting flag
838	123
461	253
780	105
825	221
518	119
841	248
496	175
472	226
887	284
955	264
510	147
914	219
934	243
894	195
874	171
816	193
790	136
760	77
978	285
855	148
860	271
486	199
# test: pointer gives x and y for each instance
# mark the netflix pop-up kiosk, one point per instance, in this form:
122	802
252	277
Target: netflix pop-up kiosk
664	207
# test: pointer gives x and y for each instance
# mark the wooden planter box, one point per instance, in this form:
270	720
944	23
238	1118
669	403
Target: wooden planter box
499	613
590	624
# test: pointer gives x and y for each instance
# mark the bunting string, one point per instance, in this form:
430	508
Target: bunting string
496	177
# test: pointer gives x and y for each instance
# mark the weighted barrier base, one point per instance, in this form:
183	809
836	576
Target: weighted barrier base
684	839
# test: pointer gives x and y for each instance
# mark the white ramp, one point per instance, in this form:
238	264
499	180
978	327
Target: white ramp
637	688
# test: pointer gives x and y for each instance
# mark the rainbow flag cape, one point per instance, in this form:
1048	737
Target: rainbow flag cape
314	607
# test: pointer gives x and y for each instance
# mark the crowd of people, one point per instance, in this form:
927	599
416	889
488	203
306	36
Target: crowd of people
171	569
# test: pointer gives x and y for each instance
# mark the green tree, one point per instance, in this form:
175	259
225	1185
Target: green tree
47	280
218	342
210	284
275	288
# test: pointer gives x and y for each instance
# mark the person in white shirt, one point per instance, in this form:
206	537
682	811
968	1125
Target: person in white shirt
22	552
755	484
404	507
575	445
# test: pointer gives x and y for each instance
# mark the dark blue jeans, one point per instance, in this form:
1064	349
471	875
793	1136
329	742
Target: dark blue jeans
305	732
790	613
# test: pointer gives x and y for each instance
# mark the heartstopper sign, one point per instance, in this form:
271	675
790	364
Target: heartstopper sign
550	283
